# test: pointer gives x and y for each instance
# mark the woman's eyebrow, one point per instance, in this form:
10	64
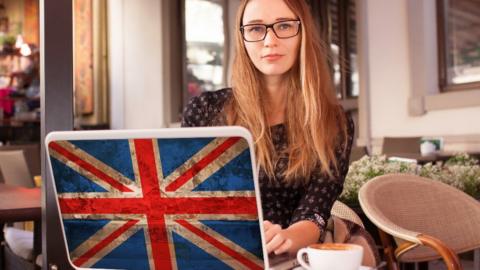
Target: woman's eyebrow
254	21
285	19
277	19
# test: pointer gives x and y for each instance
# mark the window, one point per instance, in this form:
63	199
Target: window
458	44
205	46
337	23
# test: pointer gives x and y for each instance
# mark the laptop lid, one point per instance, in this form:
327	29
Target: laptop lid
158	199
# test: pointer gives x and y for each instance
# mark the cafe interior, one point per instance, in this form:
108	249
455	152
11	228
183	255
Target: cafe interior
407	71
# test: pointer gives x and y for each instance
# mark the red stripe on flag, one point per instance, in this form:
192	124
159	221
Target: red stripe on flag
102	244
88	167
159	206
204	162
147	167
239	257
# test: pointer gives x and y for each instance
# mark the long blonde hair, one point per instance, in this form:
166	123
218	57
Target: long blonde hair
314	119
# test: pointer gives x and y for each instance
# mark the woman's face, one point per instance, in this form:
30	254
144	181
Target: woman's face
272	56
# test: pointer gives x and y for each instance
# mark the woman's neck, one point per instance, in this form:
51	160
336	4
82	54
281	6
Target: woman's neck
275	100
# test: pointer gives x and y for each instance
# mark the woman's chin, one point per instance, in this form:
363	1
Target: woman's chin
273	71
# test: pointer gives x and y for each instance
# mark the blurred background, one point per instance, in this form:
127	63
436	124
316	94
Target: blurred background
408	71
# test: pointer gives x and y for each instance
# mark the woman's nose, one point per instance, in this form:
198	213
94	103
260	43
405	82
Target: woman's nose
270	39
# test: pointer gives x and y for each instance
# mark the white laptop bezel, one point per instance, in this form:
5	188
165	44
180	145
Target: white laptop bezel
196	132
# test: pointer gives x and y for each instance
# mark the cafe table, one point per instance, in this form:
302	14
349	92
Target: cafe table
424	159
19	204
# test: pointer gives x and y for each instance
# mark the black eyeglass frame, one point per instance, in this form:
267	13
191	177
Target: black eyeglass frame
267	26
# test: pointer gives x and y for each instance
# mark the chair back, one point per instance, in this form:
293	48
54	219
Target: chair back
31	151
14	169
345	226
341	210
407	206
392	145
357	153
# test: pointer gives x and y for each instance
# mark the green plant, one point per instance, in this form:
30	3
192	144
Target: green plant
369	167
460	171
7	40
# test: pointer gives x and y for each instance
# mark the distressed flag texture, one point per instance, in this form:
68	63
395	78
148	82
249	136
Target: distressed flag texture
158	203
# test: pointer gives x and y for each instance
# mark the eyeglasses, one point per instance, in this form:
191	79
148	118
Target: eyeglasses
258	32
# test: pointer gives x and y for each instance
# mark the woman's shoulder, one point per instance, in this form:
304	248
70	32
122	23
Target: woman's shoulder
201	109
209	99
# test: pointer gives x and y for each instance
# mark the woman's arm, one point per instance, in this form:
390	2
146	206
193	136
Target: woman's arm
310	217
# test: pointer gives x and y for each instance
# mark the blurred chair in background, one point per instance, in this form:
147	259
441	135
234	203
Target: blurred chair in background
18	248
14	169
357	153
427	219
32	156
393	145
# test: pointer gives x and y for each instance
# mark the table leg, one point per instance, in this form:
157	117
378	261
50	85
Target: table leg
2	239
388	250
37	239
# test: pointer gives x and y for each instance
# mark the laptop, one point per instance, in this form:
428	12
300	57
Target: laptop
184	198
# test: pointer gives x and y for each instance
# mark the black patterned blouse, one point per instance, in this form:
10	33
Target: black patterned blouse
282	204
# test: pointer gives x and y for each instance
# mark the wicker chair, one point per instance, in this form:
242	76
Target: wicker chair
341	210
345	226
427	219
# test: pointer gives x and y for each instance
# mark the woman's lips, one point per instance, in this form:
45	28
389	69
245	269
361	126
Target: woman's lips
272	57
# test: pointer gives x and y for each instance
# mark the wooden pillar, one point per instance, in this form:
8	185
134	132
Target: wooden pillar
56	55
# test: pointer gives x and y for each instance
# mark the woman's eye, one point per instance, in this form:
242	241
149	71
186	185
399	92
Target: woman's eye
284	26
255	29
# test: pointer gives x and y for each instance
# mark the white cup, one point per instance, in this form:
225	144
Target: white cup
331	256
427	148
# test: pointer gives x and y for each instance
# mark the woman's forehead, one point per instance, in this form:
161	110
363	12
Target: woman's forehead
266	11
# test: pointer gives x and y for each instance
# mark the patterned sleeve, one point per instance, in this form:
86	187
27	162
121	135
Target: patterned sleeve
194	113
322	191
203	110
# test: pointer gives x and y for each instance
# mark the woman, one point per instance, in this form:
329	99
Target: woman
282	92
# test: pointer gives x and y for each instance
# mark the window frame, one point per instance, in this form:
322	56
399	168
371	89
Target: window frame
320	11
444	86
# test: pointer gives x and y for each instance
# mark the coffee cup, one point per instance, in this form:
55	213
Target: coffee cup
331	256
427	148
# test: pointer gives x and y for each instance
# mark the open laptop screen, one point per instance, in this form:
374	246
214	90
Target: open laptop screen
162	199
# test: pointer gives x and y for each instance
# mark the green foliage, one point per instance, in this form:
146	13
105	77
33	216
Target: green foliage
7	40
460	171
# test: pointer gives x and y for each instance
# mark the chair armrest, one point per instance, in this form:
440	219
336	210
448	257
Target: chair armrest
448	255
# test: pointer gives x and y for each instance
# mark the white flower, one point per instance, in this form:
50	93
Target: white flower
460	171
